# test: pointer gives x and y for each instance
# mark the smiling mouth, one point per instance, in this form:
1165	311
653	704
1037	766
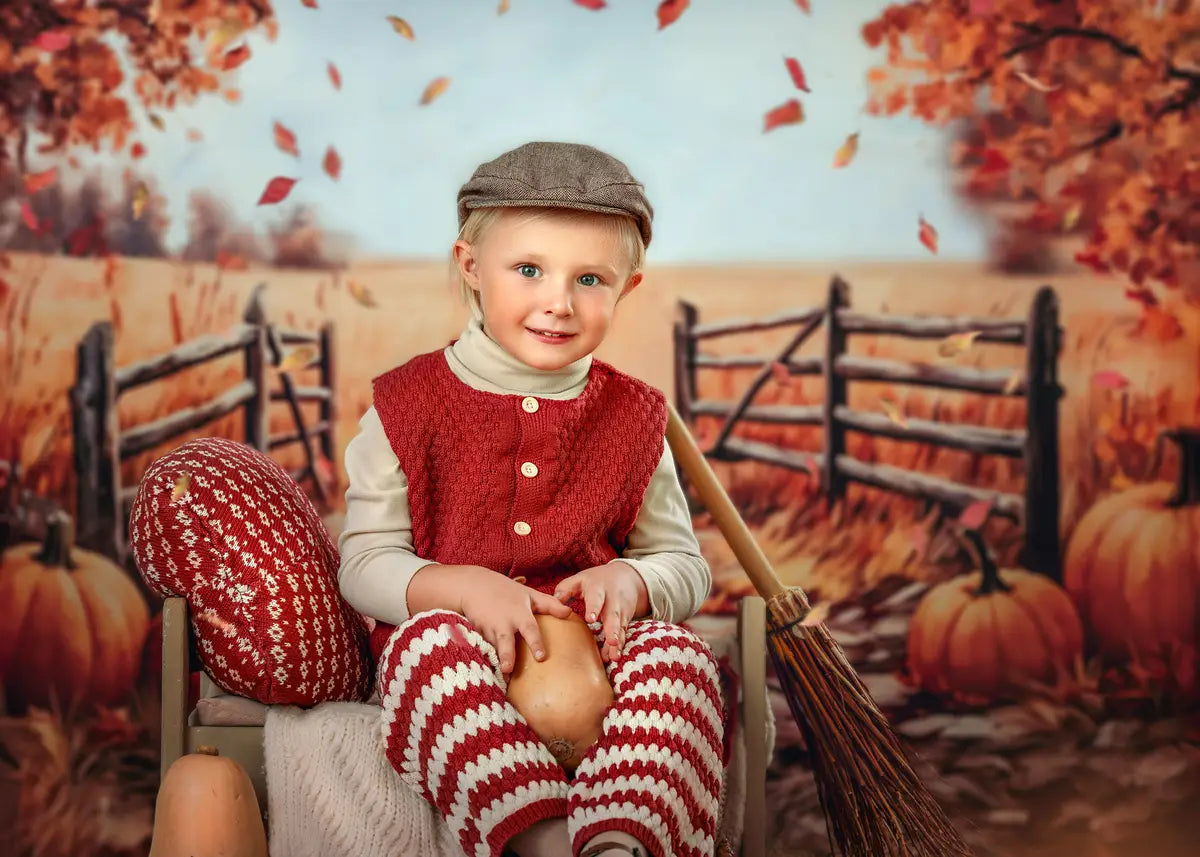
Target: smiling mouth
550	333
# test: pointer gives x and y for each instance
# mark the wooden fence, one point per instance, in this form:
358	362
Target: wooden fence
1037	510
102	503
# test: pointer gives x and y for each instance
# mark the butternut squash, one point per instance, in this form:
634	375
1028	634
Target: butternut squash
563	698
206	807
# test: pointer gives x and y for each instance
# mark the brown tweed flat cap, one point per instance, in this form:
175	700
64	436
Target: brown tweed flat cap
557	175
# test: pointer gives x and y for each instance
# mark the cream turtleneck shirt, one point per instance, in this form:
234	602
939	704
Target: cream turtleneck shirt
376	543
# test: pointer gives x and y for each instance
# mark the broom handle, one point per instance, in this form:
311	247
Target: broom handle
726	515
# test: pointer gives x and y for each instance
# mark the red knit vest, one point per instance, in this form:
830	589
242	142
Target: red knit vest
475	499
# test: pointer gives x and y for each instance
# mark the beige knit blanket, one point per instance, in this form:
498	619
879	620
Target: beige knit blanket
332	792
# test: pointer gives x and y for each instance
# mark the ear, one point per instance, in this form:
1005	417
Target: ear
468	263
633	282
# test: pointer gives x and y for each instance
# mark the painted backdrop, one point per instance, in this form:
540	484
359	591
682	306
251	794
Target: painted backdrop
924	282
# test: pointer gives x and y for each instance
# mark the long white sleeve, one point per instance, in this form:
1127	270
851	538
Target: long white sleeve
376	541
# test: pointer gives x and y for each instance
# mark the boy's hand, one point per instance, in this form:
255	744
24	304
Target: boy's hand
502	609
613	594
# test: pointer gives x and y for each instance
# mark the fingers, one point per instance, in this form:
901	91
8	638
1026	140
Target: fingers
614	632
568	588
593	601
533	637
506	650
542	603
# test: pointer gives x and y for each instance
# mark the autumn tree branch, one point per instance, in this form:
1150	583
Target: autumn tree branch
1044	35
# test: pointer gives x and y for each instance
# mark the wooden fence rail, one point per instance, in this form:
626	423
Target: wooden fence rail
102	503
1036	509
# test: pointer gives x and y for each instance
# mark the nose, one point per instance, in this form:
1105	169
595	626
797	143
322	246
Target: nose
559	299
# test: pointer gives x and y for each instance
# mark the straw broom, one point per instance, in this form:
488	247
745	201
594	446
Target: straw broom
874	803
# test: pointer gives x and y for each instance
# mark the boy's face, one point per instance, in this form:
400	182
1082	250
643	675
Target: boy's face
547	275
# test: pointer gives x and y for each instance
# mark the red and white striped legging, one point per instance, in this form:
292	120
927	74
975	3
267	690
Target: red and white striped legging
655	772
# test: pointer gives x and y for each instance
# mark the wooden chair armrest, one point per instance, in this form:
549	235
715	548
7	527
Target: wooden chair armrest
175	680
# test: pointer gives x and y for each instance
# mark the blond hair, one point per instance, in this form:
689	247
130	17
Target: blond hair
479	220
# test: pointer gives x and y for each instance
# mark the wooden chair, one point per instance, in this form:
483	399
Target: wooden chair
182	730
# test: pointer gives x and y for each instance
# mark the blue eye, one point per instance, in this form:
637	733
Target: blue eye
526	269
595	281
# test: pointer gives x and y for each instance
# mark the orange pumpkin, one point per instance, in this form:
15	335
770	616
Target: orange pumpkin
563	698
1133	562
206	807
990	634
74	623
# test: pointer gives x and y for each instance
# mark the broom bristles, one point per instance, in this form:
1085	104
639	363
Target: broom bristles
874	803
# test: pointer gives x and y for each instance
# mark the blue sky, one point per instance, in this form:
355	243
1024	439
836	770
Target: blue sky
683	107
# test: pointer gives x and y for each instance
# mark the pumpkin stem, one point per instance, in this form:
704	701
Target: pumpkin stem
207	750
56	548
1187	485
987	564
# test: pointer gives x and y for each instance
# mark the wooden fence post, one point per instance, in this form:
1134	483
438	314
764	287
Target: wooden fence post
258	365
1041	551
685	359
327	408
835	392
99	518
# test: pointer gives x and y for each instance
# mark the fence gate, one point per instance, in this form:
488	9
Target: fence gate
102	503
1037	509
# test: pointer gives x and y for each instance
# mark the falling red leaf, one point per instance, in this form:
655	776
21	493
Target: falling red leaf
277	190
53	40
781	373
797	73
311	4
285	140
804	7
976	514
927	235
335	76
669	12
594	5
235	57
137	150
40	181
1110	379
332	163
789	113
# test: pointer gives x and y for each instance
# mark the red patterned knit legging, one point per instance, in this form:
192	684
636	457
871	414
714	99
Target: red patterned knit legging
655	772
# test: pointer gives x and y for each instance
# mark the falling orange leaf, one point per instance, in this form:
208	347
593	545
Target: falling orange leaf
141	194
435	88
332	164
1013	382
957	343
233	96
797	73
892	410
361	293
335	76
503	7
157	121
181	486
816	615
195	135
297	358
594	5
781	373
927	234
235	57
277	190
669	12
1110	379
1071	217
401	26
40	181
285	140
789	113
976	514
846	152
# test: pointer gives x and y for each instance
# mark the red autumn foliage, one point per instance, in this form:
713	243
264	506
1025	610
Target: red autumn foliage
1083	116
